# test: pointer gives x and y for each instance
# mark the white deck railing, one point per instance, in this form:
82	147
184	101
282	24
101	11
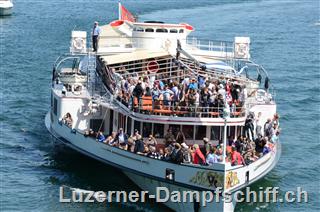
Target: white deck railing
224	47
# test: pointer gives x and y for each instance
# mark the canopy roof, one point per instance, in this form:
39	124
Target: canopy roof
132	56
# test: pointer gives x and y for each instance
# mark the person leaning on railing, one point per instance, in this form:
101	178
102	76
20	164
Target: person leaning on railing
67	119
212	157
151	141
122	139
236	158
186	153
111	139
176	154
197	156
101	137
167	96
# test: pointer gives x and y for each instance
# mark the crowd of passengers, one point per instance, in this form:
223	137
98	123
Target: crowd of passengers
240	151
182	92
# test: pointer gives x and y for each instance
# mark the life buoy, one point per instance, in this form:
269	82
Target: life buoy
153	66
78	43
242	49
76	88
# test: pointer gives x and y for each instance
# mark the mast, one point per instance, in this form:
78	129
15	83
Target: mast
119	10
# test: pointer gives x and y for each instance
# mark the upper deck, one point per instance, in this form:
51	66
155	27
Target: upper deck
154	70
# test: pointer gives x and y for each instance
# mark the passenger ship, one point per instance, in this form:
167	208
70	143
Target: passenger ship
87	85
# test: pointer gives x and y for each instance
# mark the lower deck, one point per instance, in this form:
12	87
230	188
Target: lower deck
191	176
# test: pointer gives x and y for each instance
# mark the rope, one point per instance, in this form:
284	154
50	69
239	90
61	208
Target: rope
102	122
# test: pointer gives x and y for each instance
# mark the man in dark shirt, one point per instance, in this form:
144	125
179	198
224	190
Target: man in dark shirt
138	91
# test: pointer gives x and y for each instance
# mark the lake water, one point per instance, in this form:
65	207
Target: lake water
285	40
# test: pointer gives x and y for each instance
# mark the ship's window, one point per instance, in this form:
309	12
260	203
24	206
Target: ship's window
55	106
200	132
170	174
162	30
175	129
173	31
129	122
215	133
97	125
247	177
121	121
158	130
181	31
137	126
231	131
149	30
187	131
146	129
111	121
138	29
239	131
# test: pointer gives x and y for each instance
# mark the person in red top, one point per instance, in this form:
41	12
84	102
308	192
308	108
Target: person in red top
197	156
236	158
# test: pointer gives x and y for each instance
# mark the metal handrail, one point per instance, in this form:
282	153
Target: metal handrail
182	108
211	45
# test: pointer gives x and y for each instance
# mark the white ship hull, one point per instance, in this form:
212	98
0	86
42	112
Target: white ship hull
140	169
150	185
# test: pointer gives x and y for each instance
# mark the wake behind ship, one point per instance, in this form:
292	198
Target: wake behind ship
167	109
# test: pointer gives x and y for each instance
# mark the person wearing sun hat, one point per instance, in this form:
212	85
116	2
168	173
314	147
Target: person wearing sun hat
186	153
206	145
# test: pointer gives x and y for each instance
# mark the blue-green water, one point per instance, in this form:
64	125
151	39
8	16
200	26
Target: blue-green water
285	40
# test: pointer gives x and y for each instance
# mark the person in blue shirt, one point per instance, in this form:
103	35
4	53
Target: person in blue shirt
212	157
266	149
193	85
122	139
167	94
95	36
101	137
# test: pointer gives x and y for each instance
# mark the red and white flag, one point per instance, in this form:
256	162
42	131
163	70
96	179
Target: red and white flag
124	14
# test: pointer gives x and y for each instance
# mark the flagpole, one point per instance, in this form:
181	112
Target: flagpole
119	11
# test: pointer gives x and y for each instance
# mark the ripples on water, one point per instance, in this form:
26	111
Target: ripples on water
285	40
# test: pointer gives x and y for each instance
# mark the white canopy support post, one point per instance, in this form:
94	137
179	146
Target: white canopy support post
224	141
226	115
